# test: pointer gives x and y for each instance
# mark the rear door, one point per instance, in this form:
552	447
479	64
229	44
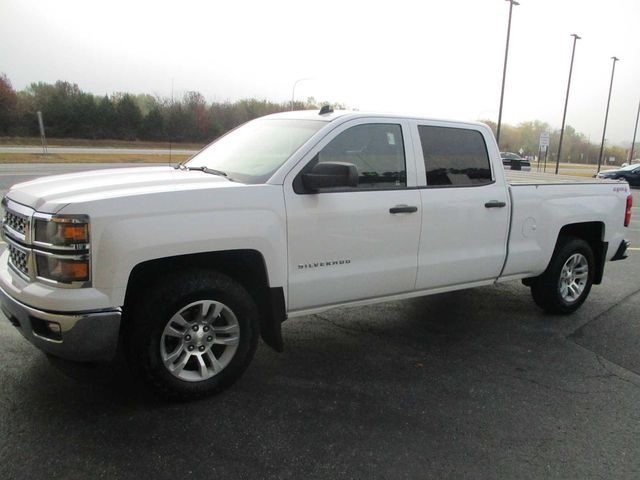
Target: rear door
360	242
465	206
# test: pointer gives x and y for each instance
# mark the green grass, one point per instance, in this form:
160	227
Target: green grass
88	158
83	142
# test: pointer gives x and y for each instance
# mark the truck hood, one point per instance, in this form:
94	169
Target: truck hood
50	194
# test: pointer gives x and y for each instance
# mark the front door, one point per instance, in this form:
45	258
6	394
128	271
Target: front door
359	242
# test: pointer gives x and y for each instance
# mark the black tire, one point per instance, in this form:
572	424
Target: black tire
546	289
146	333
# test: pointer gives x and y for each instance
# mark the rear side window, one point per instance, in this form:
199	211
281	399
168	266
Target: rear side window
454	157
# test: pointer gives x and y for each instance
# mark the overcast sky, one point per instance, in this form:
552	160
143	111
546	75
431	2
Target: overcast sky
436	58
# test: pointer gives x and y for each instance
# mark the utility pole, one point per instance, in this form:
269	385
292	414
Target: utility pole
504	71
635	130
606	115
43	138
566	100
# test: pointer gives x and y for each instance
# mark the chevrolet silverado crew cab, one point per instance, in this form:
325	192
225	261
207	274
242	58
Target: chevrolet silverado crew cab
186	266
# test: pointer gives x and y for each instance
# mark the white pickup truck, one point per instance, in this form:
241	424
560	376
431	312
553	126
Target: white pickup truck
289	214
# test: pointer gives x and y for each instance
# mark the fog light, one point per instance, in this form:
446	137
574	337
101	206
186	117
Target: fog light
46	329
54	327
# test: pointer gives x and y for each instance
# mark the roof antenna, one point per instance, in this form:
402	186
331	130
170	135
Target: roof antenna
325	109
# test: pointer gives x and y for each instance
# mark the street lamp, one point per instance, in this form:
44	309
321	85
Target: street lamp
504	70
635	130
606	115
293	90
566	100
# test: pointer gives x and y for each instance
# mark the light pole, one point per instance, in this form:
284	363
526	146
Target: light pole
293	90
504	70
635	130
606	115
566	100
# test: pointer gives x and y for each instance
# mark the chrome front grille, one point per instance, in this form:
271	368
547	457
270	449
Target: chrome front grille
16	222
16	231
19	259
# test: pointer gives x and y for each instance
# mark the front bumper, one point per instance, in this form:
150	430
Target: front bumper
82	336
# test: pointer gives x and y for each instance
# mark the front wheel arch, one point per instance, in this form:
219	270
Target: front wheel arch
247	267
153	315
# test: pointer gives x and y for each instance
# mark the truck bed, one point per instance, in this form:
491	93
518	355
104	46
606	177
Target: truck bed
515	177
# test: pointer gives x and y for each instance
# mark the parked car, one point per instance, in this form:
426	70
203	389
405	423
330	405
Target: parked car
630	173
513	161
292	214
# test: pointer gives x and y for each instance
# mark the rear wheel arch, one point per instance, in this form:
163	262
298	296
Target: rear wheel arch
566	282
592	233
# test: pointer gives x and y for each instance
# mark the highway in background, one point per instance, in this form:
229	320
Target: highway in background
98	150
12	173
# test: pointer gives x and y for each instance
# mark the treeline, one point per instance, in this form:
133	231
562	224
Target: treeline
576	147
69	112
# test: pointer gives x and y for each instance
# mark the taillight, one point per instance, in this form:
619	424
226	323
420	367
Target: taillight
627	214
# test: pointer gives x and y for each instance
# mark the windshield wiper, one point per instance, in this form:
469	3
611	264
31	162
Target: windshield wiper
208	170
204	169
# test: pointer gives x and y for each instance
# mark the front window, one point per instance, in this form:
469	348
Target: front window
253	152
377	152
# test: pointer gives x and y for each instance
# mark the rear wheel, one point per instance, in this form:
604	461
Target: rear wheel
193	335
566	283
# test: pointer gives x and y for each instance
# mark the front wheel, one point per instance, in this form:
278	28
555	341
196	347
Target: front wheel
193	335
566	283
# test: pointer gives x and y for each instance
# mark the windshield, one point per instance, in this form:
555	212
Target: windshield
254	151
510	156
630	167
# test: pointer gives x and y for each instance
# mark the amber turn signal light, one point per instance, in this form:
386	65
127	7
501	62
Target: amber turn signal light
75	233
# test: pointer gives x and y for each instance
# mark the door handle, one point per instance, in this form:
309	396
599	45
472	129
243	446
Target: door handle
495	204
403	209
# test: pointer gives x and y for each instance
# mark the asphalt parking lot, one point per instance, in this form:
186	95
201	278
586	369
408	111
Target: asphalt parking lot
471	384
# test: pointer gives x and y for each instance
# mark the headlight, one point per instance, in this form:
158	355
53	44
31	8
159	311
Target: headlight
61	269
62	231
62	249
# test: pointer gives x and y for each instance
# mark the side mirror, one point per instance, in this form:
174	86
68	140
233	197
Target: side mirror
331	175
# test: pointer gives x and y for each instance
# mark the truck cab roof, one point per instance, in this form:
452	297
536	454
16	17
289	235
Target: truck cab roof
354	114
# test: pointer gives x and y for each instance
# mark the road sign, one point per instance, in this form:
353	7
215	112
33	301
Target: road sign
544	139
